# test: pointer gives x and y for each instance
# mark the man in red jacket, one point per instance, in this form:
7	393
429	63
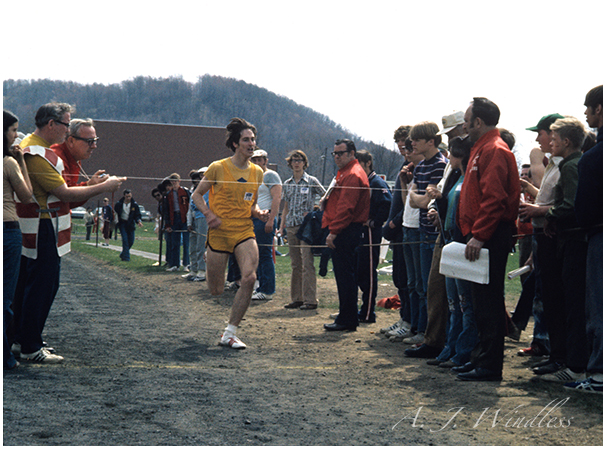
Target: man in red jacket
346	209
487	211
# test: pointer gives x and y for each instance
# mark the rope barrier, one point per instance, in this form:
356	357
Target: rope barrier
85	175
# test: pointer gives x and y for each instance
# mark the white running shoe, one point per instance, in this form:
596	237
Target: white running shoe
261	296
200	276
563	375
393	327
189	276
417	339
400	333
42	356
232	342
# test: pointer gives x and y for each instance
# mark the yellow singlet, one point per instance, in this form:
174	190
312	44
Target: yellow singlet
233	194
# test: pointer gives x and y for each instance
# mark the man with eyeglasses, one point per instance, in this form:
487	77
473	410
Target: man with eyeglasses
346	208
79	145
299	195
46	226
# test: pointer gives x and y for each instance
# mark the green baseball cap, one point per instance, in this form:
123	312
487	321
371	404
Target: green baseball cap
545	122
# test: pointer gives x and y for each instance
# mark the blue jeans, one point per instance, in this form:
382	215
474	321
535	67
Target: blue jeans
266	273
198	241
414	276
399	277
463	335
540	328
128	238
12	261
174	241
454	326
426	251
594	303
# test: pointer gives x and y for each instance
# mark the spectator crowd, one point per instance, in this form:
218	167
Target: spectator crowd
467	193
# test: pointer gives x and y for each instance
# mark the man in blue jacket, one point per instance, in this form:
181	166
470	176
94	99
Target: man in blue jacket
368	253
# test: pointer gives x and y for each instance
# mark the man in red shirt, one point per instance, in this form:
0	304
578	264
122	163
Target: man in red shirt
346	209
486	215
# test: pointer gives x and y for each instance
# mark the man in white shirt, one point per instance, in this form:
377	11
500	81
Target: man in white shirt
268	197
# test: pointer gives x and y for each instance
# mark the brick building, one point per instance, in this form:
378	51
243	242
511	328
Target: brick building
148	152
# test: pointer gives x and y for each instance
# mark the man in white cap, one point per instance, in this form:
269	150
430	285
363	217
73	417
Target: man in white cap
453	125
268	198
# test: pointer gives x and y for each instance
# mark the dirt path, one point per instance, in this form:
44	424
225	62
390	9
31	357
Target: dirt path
143	368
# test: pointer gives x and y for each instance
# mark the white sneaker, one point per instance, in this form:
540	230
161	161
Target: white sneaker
563	375
42	356
400	336
417	339
189	276
172	269
395	326
261	296
402	332
232	342
16	349
200	276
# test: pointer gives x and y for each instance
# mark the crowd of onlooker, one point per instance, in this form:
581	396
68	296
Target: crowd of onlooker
469	192
475	196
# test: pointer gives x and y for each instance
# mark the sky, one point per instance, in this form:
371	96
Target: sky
368	66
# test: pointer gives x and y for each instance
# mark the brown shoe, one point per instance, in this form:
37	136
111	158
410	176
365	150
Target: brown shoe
308	306
293	305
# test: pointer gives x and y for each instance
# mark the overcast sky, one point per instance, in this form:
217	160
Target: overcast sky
369	66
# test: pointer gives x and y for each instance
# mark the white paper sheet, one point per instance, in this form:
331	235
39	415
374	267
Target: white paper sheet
454	264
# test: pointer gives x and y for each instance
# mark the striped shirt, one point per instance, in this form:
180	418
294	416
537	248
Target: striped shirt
301	197
428	172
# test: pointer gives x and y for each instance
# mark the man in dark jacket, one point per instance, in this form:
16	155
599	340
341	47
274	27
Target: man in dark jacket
129	215
368	253
589	213
393	232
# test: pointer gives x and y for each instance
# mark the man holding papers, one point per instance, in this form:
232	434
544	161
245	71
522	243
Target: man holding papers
487	212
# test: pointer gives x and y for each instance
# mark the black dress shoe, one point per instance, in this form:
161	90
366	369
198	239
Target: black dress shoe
550	367
366	320
462	369
338	327
434	362
480	374
424	351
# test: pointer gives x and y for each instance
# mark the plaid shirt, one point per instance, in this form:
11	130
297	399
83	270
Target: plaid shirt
301	197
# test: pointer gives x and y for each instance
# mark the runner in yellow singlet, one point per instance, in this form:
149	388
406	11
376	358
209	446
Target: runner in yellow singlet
233	183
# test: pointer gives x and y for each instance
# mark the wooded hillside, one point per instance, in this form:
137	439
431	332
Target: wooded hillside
282	124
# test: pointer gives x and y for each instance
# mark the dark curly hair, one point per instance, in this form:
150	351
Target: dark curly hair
234	130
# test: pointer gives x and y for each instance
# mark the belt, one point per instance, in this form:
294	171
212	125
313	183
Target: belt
11	225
